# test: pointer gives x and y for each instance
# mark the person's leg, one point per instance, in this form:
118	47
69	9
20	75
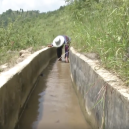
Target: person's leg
66	56
66	60
59	53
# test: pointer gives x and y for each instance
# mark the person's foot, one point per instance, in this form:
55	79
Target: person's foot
66	60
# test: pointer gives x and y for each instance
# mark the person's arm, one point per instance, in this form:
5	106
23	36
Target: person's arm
50	45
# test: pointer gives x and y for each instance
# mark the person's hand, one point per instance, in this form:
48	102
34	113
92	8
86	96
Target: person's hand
49	45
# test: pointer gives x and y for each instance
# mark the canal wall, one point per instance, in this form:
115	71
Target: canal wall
17	83
103	97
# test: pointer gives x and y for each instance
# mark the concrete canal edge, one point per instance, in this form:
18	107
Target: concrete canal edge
17	83
103	96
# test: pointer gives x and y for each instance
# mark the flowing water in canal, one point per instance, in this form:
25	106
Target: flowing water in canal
53	103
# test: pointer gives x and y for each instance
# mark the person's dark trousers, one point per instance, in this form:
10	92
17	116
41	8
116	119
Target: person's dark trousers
59	51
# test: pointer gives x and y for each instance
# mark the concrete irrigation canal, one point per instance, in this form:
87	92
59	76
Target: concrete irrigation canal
53	103
43	93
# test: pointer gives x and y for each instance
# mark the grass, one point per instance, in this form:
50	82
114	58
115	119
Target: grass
104	30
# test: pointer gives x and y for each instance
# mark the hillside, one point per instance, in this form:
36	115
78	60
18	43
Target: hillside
11	16
102	27
31	31
95	26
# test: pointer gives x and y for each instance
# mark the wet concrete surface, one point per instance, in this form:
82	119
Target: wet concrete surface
54	104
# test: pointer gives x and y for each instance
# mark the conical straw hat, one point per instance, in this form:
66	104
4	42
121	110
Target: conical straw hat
58	41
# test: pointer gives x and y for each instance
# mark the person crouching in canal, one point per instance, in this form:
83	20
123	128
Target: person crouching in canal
67	44
59	42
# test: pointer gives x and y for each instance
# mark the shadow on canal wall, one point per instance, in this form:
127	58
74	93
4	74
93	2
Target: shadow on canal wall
17	83
103	97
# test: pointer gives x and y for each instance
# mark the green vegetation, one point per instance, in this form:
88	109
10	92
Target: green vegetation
102	26
32	30
11	16
99	26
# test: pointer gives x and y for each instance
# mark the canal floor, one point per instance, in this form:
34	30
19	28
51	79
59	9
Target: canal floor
53	103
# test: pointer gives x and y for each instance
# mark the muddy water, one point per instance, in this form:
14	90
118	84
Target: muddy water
54	104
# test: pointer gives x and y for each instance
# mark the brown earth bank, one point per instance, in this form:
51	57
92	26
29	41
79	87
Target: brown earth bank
16	57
